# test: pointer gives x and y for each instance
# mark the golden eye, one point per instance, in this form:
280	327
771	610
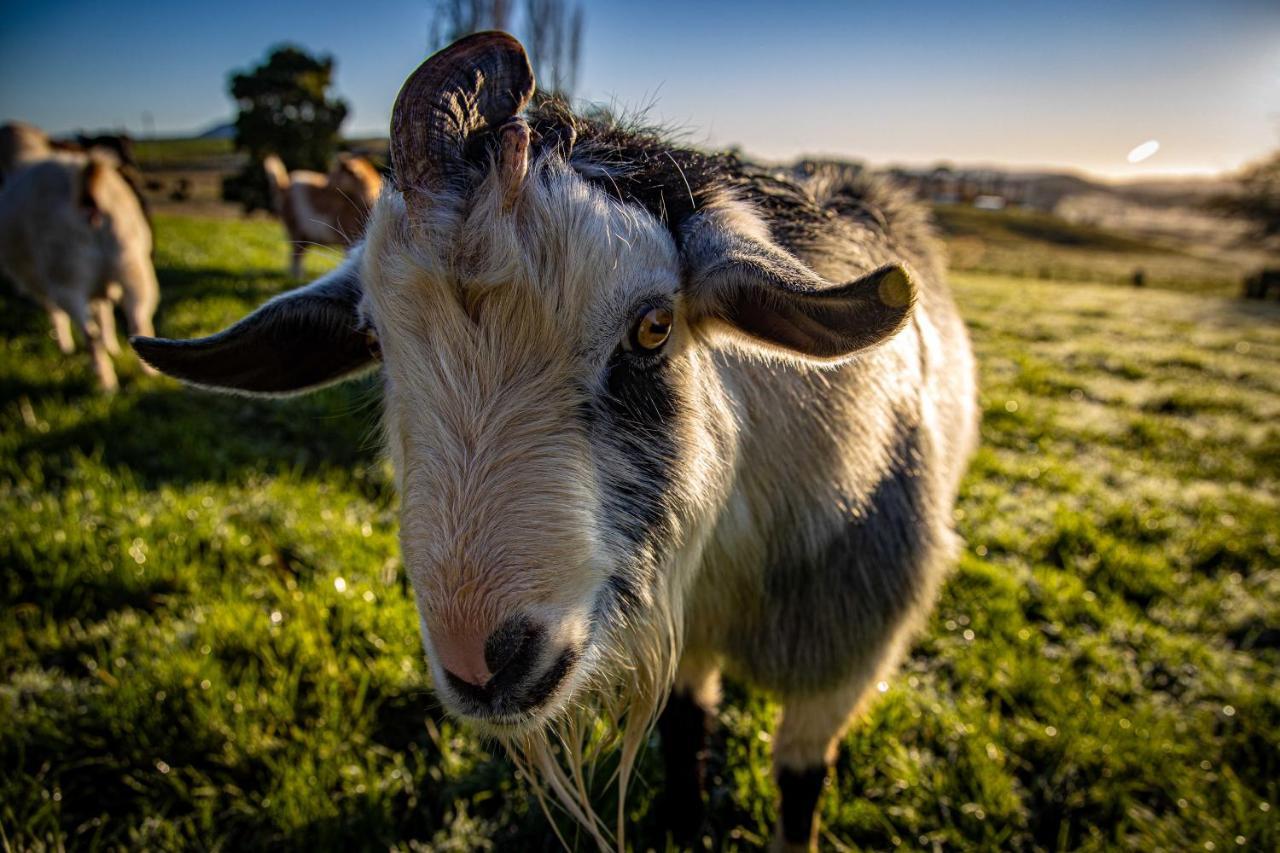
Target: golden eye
652	329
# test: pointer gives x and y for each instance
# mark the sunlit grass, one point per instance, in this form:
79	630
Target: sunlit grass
206	638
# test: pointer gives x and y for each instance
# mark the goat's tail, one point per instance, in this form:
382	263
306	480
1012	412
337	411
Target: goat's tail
277	180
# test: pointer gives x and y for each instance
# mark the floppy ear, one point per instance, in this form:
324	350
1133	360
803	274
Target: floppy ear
763	293
299	341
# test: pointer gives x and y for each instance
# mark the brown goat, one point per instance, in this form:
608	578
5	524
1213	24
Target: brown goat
328	210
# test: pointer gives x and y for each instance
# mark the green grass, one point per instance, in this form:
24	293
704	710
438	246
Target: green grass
182	153
206	639
1030	244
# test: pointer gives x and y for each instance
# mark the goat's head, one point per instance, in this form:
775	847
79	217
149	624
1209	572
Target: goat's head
561	437
356	178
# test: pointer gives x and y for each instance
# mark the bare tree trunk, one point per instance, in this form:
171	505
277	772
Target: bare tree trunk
554	36
453	19
552	33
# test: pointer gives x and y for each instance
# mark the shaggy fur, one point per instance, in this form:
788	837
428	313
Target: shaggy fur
325	210
74	238
769	495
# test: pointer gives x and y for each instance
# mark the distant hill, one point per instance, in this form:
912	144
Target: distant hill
1189	191
1046	190
225	130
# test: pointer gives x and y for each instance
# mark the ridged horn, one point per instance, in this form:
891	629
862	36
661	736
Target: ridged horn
477	83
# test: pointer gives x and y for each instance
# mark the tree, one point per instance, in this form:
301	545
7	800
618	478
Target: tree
1257	197
552	33
285	109
453	19
555	43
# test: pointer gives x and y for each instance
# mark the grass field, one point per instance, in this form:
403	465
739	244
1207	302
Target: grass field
194	153
206	639
1032	244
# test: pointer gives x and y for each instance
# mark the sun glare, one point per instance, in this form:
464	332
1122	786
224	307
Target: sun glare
1144	151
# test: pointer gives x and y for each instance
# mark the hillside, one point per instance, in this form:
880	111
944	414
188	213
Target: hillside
1043	246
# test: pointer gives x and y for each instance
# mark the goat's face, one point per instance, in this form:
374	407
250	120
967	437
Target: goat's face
560	435
541	413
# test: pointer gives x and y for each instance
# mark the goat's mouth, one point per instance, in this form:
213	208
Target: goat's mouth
513	702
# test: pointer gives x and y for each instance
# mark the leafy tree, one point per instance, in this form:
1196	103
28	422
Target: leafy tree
285	109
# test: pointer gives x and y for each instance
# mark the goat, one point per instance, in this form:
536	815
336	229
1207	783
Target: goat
22	144
654	414
321	209
74	237
119	144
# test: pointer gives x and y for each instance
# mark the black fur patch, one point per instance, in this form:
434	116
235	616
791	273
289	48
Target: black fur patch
635	415
683	728
642	167
843	592
800	790
623	593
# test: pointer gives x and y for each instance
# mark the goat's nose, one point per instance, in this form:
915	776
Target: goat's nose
514	639
509	651
461	655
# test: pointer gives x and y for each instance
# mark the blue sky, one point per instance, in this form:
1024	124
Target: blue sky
1025	84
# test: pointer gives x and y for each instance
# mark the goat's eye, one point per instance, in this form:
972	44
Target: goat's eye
651	329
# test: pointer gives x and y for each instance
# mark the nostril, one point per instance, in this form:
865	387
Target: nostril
515	635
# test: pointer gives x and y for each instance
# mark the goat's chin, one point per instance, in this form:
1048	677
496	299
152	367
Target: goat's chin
512	727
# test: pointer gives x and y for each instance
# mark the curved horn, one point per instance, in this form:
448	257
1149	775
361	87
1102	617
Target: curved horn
476	83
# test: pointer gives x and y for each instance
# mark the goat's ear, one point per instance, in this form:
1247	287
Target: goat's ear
746	284
299	341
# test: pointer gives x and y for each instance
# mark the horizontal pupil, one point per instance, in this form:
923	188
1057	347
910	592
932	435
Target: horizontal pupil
653	329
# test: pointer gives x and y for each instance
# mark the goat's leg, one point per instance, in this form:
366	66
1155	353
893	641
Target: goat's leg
295	259
83	316
683	727
139	305
804	749
61	329
104	311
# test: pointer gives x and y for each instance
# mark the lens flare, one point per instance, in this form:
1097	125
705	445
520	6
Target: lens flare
1143	151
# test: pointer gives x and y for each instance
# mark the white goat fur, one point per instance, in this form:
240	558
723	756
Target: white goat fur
77	263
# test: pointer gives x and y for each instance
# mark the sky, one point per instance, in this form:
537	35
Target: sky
1067	85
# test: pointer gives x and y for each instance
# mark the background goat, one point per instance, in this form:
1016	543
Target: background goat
328	210
22	144
74	237
654	414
